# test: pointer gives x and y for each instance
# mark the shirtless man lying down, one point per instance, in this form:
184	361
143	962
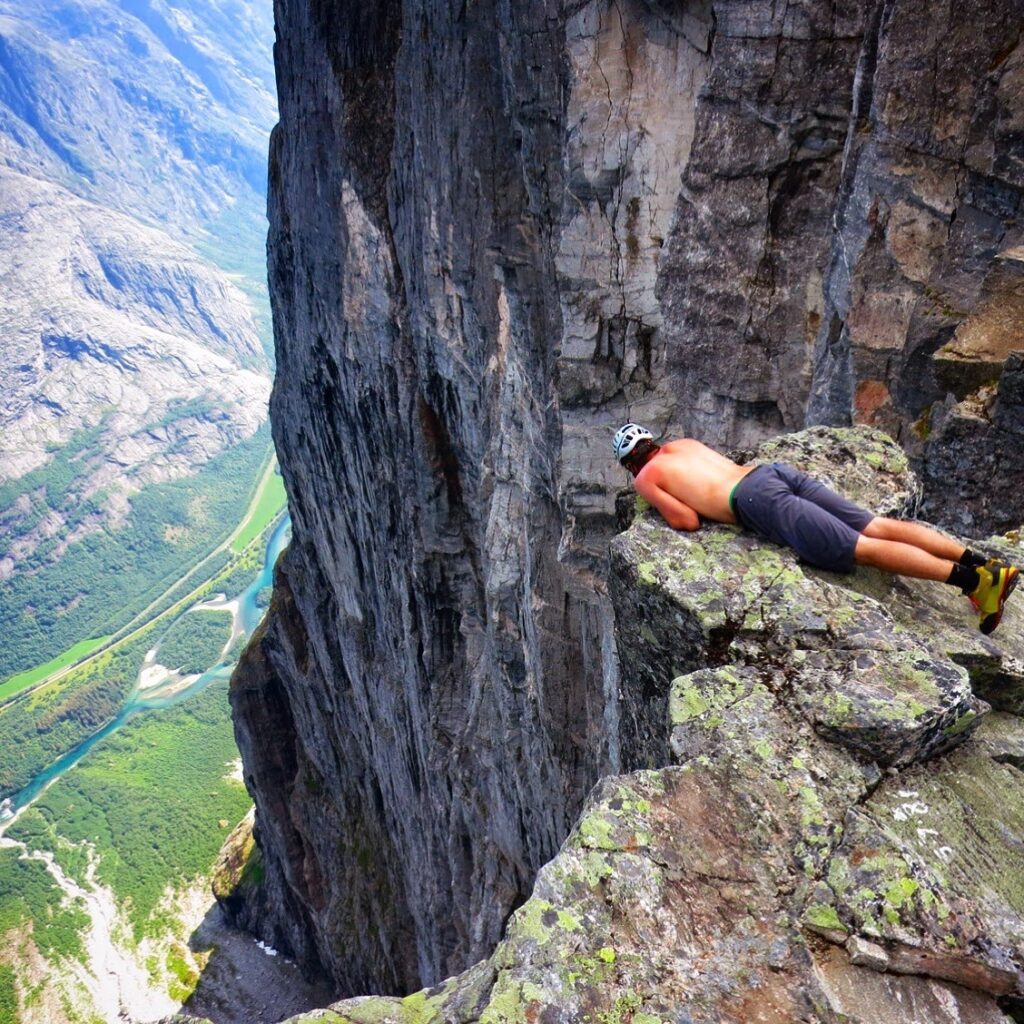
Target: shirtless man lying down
686	481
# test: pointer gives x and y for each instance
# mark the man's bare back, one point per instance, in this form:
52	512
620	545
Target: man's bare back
686	479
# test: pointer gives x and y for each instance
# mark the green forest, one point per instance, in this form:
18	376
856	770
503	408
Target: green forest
29	893
152	803
8	996
195	641
42	726
104	579
150	799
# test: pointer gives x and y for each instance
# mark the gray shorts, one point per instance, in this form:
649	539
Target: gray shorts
786	506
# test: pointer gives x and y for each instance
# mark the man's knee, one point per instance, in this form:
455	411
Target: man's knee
880	528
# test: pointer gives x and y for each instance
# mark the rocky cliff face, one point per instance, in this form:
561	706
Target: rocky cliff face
829	827
497	233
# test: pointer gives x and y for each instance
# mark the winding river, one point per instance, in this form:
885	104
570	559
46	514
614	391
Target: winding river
140	702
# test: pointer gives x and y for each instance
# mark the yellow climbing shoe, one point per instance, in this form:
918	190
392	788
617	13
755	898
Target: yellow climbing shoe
995	584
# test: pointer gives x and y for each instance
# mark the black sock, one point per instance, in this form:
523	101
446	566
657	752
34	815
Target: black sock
972	558
965	577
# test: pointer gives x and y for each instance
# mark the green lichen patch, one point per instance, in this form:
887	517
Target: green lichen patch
823	916
582	870
895	706
882	889
693	695
517	1001
455	1001
542	922
620	820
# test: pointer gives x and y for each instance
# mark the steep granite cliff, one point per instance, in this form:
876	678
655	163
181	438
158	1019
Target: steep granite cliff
498	231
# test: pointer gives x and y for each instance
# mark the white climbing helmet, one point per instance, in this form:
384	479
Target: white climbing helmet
626	438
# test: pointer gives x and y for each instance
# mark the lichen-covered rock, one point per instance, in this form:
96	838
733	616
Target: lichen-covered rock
895	706
673	900
238	867
835	831
817	681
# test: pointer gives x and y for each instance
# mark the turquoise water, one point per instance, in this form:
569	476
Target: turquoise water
249	614
138	703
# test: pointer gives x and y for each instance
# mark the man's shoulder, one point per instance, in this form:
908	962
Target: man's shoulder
649	476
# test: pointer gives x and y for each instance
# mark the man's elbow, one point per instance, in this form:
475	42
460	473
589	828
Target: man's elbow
688	523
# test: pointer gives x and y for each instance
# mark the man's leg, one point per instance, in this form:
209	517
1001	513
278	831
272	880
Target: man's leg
902	559
919	536
987	586
829	531
907	549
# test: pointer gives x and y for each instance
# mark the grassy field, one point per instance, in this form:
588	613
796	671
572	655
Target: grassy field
272	499
151	799
23	680
242	570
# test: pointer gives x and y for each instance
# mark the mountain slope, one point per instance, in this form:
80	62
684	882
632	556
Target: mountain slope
106	319
132	176
159	111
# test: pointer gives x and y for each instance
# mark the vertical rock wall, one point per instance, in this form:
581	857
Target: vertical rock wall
499	230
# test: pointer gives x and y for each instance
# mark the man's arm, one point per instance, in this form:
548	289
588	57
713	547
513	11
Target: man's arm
677	514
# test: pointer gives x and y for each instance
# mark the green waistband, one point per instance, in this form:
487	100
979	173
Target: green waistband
732	495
